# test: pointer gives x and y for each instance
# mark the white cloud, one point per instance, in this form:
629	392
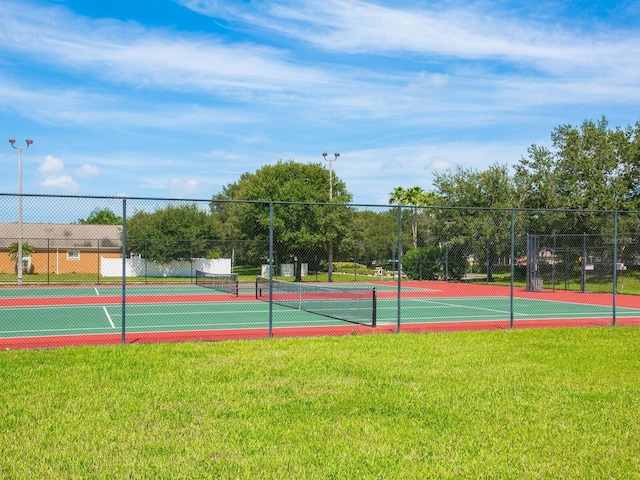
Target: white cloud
178	186
127	53
402	89
440	165
51	165
466	31
186	186
373	173
80	107
60	182
259	77
53	175
87	171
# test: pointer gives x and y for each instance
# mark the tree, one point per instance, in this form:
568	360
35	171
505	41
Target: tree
172	233
376	233
27	250
102	216
422	263
398	196
300	226
429	200
479	226
588	168
416	198
491	188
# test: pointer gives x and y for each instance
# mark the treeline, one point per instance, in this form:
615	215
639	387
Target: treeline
563	191
558	190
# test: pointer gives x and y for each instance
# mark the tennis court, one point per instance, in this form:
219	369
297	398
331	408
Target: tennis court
38	317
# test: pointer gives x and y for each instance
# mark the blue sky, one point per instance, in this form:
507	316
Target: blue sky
162	98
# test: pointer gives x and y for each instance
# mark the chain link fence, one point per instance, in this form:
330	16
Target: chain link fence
181	270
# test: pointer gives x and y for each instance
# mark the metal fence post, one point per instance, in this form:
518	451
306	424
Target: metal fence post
98	261
615	266
399	260
512	261
271	270
48	261
124	268
583	264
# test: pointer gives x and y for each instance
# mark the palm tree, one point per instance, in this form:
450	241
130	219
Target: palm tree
429	199
415	197
13	252
398	196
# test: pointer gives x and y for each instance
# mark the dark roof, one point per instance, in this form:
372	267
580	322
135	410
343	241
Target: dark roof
62	235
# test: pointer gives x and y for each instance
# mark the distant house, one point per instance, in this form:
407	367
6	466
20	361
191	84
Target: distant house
60	248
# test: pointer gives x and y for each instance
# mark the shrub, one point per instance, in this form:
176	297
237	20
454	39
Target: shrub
422	264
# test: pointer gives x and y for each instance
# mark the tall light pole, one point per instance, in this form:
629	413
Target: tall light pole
330	160
12	141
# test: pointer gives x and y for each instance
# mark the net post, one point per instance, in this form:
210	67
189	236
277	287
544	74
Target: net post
375	304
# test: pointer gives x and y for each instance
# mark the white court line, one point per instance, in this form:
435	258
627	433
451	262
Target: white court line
96	290
108	316
456	305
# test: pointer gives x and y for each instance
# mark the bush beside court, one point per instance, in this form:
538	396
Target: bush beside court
558	403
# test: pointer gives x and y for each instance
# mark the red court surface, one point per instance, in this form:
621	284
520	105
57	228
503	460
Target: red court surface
424	307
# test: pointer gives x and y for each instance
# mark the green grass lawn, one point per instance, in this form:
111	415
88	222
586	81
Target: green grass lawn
560	403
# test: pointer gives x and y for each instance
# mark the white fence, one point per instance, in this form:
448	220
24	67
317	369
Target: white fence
139	267
286	270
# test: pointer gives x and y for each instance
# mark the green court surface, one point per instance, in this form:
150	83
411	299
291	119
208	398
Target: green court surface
177	313
479	309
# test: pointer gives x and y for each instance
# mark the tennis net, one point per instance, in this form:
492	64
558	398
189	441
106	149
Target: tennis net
350	303
223	282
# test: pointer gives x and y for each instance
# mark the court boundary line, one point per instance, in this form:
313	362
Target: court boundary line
104	308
